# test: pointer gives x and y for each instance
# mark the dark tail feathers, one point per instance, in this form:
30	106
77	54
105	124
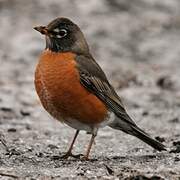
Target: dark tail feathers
147	139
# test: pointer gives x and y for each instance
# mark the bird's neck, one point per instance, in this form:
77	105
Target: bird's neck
56	45
53	45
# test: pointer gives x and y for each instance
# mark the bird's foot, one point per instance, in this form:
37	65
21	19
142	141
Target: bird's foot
69	154
84	158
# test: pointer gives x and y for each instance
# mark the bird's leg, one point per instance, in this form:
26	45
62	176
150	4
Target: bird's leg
69	152
86	157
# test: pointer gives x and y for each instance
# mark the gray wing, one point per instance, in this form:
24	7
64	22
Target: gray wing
93	78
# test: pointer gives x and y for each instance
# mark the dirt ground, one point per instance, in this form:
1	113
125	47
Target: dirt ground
138	45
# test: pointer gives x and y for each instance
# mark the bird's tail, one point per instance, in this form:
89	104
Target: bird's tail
128	126
147	139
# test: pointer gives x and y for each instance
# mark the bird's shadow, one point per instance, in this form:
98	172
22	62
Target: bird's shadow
96	159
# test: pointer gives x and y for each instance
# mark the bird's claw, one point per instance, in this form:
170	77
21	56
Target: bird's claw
69	154
85	158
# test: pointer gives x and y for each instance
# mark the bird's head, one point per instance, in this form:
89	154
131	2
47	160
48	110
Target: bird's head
62	35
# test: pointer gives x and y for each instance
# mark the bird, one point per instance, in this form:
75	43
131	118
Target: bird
73	88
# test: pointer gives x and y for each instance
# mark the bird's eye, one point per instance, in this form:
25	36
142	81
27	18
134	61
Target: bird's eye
61	33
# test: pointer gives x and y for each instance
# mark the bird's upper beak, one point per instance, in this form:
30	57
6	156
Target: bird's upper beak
42	29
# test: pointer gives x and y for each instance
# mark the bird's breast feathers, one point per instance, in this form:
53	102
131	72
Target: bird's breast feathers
58	85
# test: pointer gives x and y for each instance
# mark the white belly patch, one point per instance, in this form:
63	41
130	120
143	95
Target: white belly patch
90	128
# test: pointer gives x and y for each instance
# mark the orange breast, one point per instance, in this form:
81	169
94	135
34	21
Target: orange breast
58	86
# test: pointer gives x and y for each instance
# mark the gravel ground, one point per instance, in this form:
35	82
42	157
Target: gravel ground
138	45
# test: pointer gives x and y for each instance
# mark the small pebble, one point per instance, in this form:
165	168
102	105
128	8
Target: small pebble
24	113
11	130
160	139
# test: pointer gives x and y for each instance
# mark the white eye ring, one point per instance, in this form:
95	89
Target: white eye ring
60	32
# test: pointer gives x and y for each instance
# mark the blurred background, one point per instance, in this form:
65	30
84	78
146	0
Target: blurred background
137	43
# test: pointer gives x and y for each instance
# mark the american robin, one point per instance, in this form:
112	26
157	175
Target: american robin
73	88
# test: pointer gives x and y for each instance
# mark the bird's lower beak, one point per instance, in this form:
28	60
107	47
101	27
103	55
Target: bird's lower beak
42	29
